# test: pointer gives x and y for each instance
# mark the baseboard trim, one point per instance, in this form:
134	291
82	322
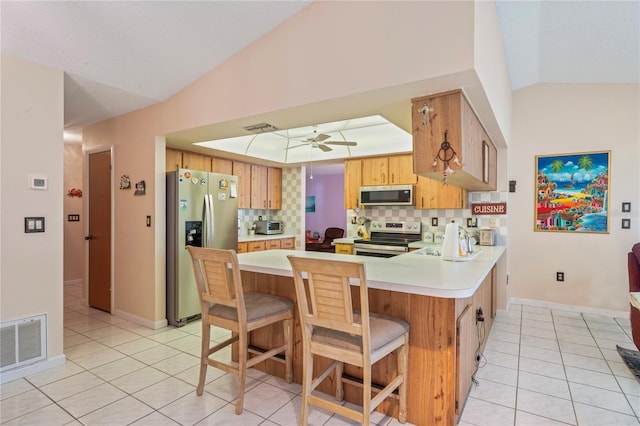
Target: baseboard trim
154	325
28	370
570	308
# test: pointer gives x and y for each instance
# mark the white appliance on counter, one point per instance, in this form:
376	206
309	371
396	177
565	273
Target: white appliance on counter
202	211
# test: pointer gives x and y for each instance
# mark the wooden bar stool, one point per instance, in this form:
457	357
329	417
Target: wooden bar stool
331	329
224	304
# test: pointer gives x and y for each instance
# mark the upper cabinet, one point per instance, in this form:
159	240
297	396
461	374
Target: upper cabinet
401	170
433	194
266	187
352	183
274	188
243	171
195	161
448	118
173	158
221	165
394	170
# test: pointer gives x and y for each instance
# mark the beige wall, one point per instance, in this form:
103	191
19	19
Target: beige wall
378	45
557	119
73	231
31	265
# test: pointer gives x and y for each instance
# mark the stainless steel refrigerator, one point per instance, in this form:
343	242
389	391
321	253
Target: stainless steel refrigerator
202	210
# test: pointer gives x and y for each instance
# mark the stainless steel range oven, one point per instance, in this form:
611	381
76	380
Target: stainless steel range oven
388	239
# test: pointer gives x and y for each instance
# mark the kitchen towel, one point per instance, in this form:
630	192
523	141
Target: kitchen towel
450	243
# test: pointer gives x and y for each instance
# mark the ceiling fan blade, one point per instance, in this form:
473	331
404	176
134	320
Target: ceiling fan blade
324	148
296	146
321	137
345	143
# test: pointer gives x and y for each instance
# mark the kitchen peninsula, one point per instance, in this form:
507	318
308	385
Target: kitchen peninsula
447	304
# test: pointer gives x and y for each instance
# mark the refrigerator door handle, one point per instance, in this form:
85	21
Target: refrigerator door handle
212	217
207	221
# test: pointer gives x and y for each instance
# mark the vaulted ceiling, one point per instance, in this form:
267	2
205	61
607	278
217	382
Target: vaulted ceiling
123	56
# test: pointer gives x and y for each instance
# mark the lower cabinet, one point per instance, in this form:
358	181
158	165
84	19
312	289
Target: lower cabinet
288	243
342	248
273	244
472	330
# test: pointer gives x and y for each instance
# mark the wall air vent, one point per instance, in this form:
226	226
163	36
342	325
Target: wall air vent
23	342
260	128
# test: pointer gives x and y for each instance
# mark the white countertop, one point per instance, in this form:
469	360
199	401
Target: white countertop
343	240
407	273
259	237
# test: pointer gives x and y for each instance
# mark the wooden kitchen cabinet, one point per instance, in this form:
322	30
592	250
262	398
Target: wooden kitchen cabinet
266	187
352	183
288	243
243	171
221	165
256	246
392	170
453	114
173	159
258	187
401	170
468	345
274	188
375	171
432	194
195	161
272	244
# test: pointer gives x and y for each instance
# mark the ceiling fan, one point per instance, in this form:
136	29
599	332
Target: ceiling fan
318	141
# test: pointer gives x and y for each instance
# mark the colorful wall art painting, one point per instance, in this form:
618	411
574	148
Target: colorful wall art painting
572	192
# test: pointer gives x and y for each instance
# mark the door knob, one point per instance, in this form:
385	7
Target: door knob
88	237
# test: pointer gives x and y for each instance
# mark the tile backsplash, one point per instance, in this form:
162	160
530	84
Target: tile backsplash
293	210
401	214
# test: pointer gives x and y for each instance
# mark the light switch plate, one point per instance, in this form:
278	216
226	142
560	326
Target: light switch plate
33	224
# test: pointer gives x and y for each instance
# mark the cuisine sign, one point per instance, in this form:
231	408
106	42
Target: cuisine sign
488	208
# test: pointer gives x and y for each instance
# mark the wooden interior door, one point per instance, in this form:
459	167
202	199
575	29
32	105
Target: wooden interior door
99	237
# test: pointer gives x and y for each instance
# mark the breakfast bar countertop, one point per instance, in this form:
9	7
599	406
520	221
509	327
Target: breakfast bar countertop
407	273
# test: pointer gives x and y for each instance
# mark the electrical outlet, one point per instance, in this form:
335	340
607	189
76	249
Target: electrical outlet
559	276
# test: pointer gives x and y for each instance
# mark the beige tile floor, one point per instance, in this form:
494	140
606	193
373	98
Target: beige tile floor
540	367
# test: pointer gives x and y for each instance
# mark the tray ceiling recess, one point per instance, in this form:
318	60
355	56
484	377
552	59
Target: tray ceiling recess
358	137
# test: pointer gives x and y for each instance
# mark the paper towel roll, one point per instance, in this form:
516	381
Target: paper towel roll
450	243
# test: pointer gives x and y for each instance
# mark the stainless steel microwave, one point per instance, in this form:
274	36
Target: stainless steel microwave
391	195
268	227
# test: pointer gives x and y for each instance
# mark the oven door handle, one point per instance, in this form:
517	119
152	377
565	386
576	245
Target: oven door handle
380	250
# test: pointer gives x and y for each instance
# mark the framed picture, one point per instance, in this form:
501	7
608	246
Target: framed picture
310	204
572	192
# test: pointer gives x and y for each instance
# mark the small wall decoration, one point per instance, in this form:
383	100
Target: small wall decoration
572	192
125	182
140	188
74	192
310	204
